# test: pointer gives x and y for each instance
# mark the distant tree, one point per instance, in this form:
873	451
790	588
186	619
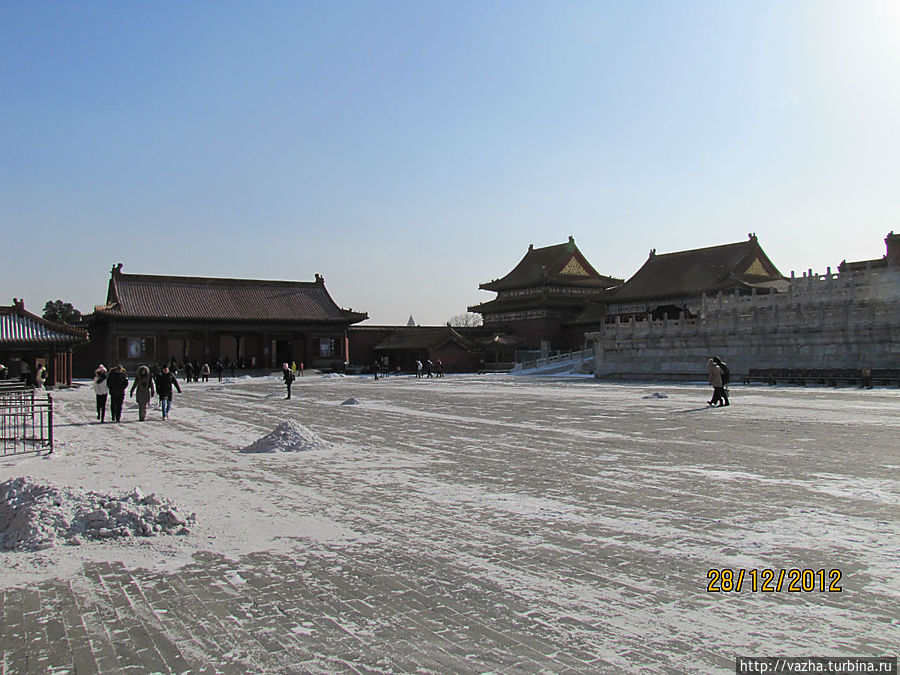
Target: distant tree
61	312
467	320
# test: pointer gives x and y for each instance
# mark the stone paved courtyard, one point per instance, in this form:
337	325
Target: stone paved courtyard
470	525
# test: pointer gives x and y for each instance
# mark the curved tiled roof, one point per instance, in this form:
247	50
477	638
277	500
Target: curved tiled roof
426	338
20	326
561	264
702	270
172	297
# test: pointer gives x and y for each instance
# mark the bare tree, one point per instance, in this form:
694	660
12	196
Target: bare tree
467	320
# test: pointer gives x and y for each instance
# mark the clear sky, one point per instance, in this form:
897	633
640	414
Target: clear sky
409	151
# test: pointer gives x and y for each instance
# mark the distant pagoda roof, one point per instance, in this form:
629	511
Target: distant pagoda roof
702	270
561	264
200	298
20	327
425	338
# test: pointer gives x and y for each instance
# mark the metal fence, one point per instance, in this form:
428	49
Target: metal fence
26	419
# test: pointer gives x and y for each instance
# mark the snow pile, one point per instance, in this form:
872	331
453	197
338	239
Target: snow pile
350	401
656	394
35	515
288	437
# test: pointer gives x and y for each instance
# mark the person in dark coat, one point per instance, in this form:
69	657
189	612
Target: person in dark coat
188	370
101	391
715	380
288	376
726	376
143	382
117	382
164	383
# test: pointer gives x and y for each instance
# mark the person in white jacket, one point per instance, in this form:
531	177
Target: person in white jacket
40	376
101	390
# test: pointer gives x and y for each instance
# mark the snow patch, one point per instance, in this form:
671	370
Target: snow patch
35	515
288	436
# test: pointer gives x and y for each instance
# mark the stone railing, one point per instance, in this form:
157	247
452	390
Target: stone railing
837	321
575	356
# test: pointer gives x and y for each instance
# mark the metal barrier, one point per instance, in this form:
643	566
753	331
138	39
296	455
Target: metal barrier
26	419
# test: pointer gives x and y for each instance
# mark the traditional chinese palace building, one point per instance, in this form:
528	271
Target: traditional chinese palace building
680	308
673	284
257	323
28	341
538	299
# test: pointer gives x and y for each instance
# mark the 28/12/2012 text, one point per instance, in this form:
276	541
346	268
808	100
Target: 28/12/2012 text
726	580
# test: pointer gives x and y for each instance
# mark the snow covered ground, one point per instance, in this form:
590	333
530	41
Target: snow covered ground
470	524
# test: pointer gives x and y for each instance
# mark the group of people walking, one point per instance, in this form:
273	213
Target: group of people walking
195	372
428	369
718	378
112	385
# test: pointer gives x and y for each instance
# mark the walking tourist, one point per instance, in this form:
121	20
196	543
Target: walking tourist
164	383
40	376
288	376
101	391
143	382
726	376
204	372
715	381
117	383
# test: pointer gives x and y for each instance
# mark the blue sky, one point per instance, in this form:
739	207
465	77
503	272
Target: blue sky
409	151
